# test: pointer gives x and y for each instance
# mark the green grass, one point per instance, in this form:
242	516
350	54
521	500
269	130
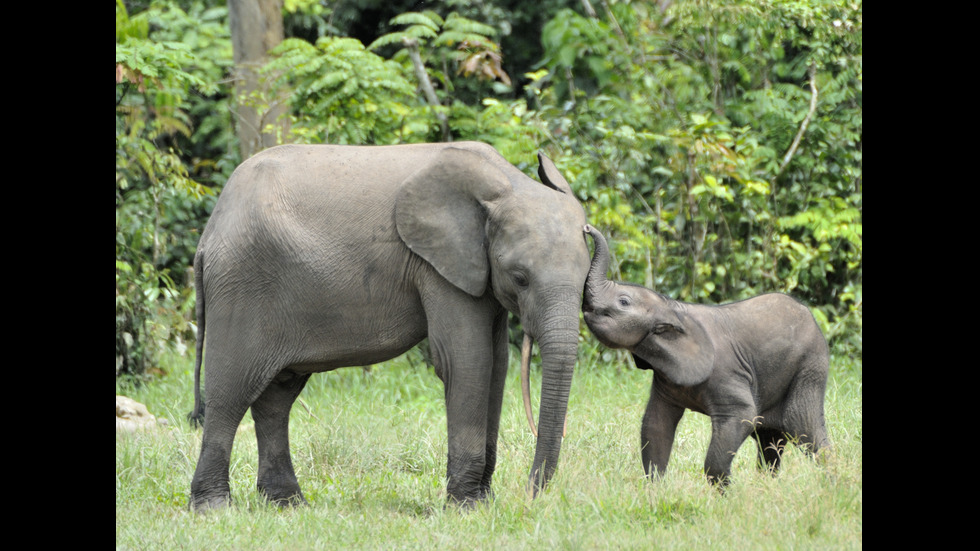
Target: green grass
369	449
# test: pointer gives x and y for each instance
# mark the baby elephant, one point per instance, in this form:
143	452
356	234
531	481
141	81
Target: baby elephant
757	367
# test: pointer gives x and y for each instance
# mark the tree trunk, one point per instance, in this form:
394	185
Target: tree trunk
256	28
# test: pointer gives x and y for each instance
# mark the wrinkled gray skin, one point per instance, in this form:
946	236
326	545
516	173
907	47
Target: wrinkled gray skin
757	367
318	256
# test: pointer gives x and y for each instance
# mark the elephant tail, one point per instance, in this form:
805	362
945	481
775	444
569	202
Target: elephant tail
196	416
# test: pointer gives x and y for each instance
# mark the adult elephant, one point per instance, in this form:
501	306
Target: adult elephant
320	256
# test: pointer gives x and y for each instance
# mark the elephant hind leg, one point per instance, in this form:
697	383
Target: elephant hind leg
803	416
770	443
276	477
210	488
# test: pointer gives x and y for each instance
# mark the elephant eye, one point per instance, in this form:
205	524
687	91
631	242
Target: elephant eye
624	301
662	328
520	279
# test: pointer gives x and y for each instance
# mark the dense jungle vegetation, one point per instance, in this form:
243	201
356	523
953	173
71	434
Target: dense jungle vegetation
718	145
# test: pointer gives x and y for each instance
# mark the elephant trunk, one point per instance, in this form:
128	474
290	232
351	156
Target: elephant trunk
526	385
559	350
596	279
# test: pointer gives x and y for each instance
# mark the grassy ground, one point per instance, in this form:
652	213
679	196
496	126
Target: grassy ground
369	449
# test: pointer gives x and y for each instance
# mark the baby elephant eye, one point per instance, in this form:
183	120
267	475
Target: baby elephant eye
624	301
662	328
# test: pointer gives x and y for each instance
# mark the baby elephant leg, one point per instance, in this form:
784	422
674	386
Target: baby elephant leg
728	431
803	417
770	443
657	434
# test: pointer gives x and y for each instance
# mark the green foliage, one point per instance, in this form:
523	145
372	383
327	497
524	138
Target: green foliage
342	93
680	136
455	40
718	145
419	26
581	49
161	75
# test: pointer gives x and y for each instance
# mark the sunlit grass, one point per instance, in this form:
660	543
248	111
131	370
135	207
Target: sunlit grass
369	450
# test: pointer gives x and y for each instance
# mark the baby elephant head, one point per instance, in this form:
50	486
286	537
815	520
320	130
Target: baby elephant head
659	331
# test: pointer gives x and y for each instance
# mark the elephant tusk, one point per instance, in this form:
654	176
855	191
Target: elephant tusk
526	386
526	383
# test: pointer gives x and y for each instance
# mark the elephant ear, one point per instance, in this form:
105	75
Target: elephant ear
677	347
441	214
550	176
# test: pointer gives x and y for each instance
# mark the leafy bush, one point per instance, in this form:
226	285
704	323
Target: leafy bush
719	146
159	205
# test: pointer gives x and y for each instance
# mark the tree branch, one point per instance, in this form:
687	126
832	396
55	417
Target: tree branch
587	6
806	122
413	53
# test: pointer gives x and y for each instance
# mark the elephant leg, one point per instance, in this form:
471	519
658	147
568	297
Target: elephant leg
210	488
498	378
276	478
460	341
803	416
728	431
770	443
657	432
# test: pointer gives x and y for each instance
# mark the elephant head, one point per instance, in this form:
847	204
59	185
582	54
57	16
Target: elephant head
660	332
488	228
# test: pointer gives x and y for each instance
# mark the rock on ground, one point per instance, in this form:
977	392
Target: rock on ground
132	416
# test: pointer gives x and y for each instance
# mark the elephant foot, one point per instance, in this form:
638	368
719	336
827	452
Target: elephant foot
284	497
204	504
719	482
466	500
292	501
466	504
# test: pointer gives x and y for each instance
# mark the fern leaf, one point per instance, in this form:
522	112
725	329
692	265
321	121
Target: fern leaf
458	23
427	19
420	31
451	38
384	40
339	45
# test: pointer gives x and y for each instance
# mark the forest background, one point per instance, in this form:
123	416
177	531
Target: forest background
718	145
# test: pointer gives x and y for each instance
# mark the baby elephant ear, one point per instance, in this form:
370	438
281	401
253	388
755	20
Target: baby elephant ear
441	214
679	349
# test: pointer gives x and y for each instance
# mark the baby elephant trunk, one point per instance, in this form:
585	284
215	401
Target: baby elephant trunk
596	279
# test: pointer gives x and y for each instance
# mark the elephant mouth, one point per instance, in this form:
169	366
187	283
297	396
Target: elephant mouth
606	330
596	321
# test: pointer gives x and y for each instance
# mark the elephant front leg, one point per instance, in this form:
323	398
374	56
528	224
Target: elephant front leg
728	431
276	477
462	350
468	473
657	433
